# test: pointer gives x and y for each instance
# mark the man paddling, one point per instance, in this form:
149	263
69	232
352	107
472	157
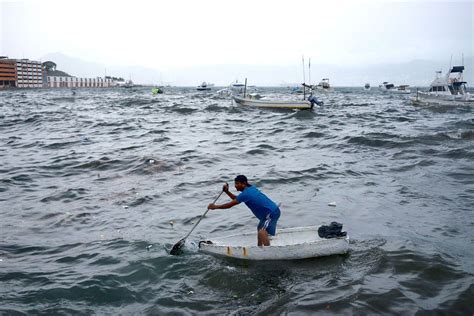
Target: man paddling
261	206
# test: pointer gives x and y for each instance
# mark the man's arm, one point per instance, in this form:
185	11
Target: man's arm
225	188
223	206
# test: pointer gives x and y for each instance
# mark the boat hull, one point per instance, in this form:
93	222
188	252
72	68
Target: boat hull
302	105
423	98
288	244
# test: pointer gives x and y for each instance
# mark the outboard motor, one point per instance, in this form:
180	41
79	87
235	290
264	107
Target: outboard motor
334	230
314	100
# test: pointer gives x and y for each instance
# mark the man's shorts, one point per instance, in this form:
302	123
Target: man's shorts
270	222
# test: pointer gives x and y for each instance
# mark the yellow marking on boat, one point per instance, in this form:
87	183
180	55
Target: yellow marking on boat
229	251
245	252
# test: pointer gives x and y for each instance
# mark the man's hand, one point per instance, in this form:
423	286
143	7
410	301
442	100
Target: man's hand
211	206
225	187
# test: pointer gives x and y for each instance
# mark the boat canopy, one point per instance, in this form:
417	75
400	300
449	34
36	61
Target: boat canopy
457	69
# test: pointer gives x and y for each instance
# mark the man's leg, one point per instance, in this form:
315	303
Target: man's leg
263	239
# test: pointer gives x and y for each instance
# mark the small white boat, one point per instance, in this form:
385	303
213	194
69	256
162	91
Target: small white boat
447	90
237	88
390	87
204	86
324	85
275	104
403	89
288	244
128	84
387	86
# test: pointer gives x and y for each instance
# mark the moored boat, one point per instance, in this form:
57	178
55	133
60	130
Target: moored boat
277	104
204	86
446	90
390	87
387	86
288	244
403	89
324	85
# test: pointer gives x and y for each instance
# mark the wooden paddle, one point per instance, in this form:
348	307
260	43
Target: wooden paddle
176	250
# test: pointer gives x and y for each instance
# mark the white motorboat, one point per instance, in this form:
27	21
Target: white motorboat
288	244
449	89
128	84
276	104
387	86
237	88
324	85
390	87
403	89
226	92
204	86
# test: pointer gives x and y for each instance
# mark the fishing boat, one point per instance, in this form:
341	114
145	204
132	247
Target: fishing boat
252	101
324	85
204	86
390	87
128	84
277	104
403	89
446	90
288	244
387	86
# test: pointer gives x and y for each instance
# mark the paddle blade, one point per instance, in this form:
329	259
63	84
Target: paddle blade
176	250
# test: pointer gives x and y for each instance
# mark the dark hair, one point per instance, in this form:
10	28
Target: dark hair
241	178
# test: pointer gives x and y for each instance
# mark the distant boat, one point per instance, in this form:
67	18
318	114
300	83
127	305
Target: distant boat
446	90
204	86
237	87
156	90
128	84
390	87
367	86
297	90
403	88
386	86
324	85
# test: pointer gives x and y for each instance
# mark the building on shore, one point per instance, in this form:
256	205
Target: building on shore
29	73
74	82
7	73
25	73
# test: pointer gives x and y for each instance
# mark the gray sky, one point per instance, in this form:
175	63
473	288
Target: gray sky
167	34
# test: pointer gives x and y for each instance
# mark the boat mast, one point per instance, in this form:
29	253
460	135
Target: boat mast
304	78
309	71
245	87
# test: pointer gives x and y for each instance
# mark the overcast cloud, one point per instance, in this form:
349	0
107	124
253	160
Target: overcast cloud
167	34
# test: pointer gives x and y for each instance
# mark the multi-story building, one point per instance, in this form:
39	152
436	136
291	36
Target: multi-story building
29	73
74	82
7	73
25	73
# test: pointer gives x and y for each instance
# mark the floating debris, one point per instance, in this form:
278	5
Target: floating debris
332	204
171	223
148	247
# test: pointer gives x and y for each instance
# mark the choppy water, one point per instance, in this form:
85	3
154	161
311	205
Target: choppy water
88	182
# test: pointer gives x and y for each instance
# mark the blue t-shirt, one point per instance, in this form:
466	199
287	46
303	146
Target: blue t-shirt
259	203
